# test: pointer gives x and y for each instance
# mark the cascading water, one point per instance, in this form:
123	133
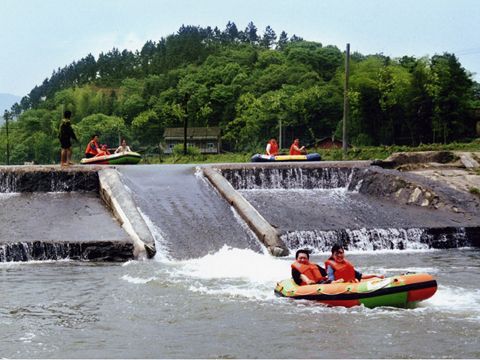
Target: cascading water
289	178
378	239
318	207
47	180
41	251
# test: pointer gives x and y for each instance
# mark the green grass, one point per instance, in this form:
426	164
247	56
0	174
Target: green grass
198	159
357	153
474	190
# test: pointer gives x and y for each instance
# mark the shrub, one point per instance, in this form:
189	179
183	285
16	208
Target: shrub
475	191
191	150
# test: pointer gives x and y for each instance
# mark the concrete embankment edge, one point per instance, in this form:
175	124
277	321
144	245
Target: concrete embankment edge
120	201
267	234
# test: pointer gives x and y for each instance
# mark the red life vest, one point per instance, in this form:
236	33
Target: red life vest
293	151
343	270
309	270
92	148
273	148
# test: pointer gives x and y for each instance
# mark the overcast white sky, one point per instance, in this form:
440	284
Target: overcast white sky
39	36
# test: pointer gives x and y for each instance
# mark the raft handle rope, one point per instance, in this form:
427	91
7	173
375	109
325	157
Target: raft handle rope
383	283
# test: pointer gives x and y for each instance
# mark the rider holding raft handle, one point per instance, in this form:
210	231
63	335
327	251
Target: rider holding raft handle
341	270
295	149
306	273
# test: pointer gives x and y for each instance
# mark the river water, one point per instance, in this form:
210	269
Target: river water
222	305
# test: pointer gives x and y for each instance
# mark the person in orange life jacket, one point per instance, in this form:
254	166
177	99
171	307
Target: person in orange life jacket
272	147
92	148
306	273
341	270
295	149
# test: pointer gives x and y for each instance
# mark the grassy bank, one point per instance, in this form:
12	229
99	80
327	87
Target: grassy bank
357	153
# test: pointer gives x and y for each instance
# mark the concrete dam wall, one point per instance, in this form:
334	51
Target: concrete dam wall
49	213
364	207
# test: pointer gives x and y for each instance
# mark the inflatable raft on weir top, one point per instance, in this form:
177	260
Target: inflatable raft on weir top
274	158
114	159
403	291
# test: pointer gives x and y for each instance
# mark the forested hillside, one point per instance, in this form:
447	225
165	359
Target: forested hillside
245	82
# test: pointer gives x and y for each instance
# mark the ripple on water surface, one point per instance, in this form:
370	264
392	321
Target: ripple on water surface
223	303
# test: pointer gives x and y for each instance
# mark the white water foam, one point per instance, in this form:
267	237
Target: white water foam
232	272
455	299
137	280
337	194
8	195
199	172
160	242
8	264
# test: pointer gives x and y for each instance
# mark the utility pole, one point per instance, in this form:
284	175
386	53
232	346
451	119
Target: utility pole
6	116
185	120
185	125
345	101
280	134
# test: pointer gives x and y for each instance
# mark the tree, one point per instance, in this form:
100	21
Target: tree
269	37
296	38
451	82
250	33
395	89
147	128
282	41
110	129
231	32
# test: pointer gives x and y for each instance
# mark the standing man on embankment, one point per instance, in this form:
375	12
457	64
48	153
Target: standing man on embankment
65	135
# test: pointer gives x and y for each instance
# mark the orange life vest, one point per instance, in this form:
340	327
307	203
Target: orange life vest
309	270
92	148
293	151
343	270
273	148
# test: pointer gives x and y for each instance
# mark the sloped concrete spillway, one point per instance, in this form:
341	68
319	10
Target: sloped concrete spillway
49	213
317	205
187	216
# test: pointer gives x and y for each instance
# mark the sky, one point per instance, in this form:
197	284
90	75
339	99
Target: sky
39	36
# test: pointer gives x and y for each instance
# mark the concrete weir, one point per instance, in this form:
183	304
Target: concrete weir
52	213
266	233
365	207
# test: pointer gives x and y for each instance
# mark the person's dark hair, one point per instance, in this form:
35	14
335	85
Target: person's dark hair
302	251
67	114
93	136
336	247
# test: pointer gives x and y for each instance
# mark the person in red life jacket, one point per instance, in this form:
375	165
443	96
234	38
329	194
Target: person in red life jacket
272	147
306	273
340	269
92	148
295	149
